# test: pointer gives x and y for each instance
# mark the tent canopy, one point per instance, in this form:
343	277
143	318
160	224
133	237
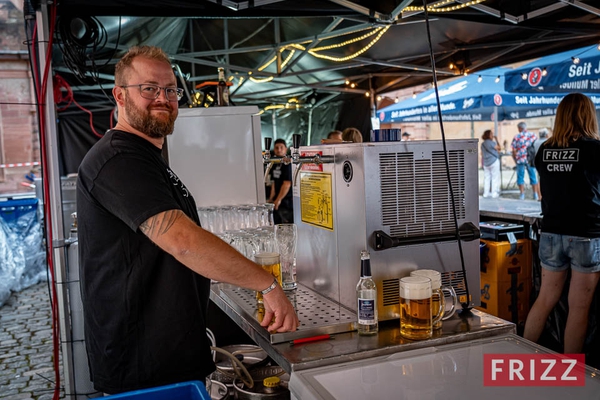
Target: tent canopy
569	71
474	97
305	51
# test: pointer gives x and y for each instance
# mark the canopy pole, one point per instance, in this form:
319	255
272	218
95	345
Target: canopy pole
309	133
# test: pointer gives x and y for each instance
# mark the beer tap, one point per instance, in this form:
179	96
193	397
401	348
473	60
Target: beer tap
300	160
267	157
294	158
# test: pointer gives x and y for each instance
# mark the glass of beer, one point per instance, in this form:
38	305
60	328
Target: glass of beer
438	298
415	308
270	263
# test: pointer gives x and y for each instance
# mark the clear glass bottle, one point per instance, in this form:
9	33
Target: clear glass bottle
222	89
366	294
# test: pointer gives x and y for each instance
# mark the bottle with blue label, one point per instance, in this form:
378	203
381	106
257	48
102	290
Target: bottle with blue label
366	293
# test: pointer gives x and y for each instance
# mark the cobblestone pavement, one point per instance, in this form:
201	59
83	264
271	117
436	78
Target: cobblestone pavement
26	359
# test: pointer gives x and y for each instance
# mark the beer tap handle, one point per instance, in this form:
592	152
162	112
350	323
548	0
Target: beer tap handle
267	157
267	154
296	140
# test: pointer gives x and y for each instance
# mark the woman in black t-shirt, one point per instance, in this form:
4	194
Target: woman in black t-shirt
570	240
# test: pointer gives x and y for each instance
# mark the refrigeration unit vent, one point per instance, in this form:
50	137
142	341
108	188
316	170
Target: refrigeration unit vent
391	292
415	195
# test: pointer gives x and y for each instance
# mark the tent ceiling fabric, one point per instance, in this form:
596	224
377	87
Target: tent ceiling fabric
295	44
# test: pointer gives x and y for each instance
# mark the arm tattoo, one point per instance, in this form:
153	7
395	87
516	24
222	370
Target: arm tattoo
160	223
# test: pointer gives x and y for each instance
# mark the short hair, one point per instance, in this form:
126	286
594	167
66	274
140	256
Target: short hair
405	134
124	65
522	125
352	135
332	133
280	141
543	132
575	118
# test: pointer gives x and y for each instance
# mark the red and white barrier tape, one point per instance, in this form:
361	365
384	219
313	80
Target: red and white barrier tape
23	164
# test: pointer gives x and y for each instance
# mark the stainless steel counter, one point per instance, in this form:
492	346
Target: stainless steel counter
345	344
512	209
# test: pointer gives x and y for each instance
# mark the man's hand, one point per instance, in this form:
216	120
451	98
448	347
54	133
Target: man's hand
278	305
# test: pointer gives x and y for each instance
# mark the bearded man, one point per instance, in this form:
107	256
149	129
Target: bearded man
145	262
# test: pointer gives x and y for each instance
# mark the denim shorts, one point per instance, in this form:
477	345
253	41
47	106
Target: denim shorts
559	252
521	174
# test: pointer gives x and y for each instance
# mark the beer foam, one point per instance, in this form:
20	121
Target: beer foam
415	287
435	276
266	258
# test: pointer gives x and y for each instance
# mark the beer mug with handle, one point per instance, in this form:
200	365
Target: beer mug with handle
415	308
438	300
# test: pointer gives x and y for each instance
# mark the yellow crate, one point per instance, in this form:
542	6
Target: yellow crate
497	266
496	298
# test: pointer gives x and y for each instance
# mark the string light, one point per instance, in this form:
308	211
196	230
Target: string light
367	94
274	107
575	60
353	85
396	100
479	79
544	72
524	75
414	96
497	79
261	80
382	31
465	73
378	98
349	41
437	7
347	82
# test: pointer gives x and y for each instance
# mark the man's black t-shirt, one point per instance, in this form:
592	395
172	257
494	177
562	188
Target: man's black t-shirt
281	173
570	186
144	312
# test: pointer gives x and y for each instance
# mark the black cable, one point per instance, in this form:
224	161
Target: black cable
466	305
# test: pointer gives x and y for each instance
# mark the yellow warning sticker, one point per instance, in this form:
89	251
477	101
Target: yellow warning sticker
316	207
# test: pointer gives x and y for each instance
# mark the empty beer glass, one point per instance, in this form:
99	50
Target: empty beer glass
270	263
286	236
438	298
415	307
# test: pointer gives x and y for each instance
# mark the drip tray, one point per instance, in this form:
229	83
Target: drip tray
318	315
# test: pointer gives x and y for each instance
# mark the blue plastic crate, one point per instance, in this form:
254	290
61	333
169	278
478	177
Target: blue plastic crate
192	390
11	210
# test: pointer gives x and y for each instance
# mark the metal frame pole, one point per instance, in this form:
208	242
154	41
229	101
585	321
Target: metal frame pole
54	199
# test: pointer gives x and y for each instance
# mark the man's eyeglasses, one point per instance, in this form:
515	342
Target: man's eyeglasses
151	92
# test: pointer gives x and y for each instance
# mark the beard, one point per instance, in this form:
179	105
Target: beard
153	126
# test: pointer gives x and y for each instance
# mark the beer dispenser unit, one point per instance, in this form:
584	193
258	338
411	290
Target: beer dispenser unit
392	199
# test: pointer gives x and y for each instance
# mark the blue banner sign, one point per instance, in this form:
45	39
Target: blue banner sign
559	77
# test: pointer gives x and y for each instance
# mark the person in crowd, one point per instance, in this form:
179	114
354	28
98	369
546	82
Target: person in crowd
145	262
570	178
352	135
333	137
281	188
542	137
519	152
405	136
491	164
